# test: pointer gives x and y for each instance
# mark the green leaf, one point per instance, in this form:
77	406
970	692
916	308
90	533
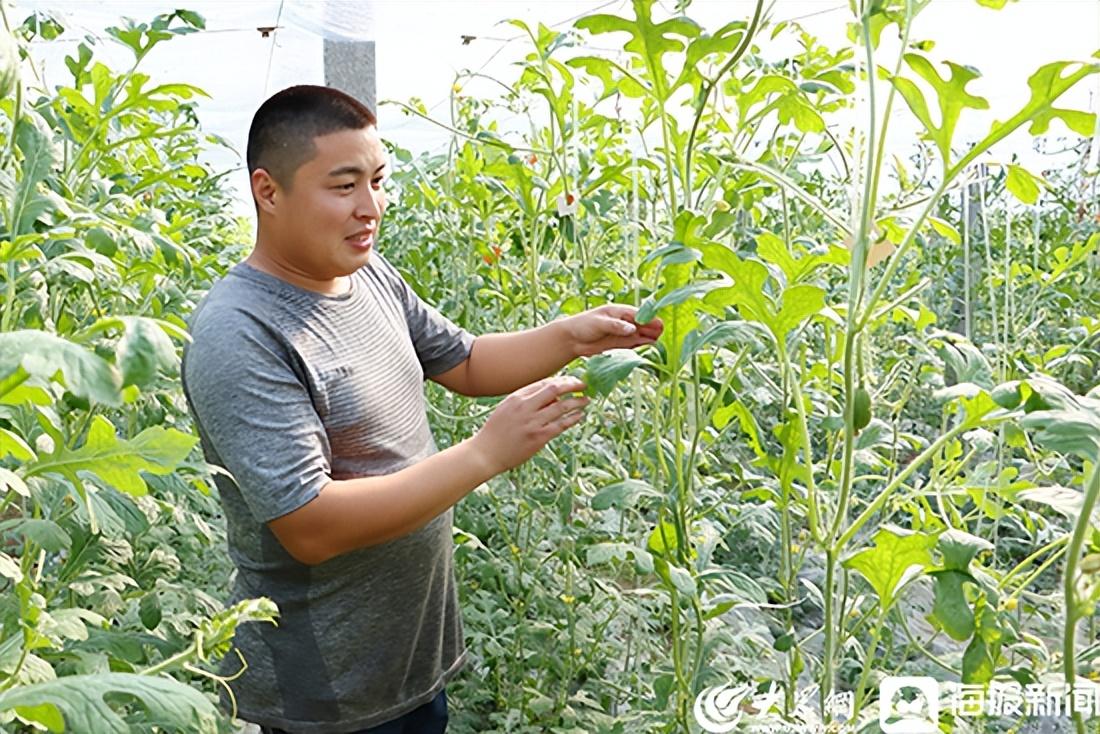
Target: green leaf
977	664
622	494
725	40
149	611
191	18
965	362
980	658
995	4
604	371
119	462
959	548
773	249
9	568
799	303
724	333
945	230
13	444
46	533
38	159
951	94
81	699
1074	430
10	481
675	577
649	41
662	539
216	633
1023	184
45	356
949	606
1047	84
605	71
746	420
603	553
747	292
144	351
896	557
46	714
683	294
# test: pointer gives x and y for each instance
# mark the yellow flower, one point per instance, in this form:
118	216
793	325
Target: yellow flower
567	598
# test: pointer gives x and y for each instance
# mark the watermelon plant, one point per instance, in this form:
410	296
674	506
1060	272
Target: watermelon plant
865	445
110	228
801	397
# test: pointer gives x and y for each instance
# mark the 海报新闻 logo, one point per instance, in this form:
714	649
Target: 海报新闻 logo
718	709
917	713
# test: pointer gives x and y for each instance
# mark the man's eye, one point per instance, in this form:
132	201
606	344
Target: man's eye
346	187
377	182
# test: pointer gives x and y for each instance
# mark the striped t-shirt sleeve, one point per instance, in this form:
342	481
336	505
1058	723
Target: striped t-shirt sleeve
440	343
257	416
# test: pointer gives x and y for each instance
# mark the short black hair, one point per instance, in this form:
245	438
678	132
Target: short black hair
282	132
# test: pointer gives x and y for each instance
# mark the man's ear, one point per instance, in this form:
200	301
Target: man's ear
264	190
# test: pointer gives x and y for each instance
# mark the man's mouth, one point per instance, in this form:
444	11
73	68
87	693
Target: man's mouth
361	240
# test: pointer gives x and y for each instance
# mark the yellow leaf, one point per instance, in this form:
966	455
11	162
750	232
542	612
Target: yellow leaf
881	248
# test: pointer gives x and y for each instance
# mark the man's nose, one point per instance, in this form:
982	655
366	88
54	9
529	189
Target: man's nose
369	206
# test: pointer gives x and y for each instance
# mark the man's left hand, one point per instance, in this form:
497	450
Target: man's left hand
609	327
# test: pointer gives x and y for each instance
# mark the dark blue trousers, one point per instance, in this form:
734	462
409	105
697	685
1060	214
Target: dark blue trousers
431	718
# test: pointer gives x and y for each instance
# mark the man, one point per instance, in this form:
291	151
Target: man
305	380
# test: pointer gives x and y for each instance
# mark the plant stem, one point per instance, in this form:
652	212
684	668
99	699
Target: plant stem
711	84
880	500
876	635
1073	612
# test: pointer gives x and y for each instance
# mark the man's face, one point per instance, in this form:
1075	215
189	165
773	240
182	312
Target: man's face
327	221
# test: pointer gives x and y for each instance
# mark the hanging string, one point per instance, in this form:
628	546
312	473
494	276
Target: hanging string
271	51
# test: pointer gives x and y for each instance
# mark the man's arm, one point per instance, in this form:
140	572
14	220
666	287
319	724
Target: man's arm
501	363
355	513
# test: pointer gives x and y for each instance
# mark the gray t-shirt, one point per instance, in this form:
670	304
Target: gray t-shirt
289	389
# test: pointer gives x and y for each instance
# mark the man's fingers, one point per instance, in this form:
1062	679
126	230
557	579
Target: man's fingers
554	387
554	411
629	313
612	326
566	421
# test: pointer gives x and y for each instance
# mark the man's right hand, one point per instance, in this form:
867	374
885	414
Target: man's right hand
526	420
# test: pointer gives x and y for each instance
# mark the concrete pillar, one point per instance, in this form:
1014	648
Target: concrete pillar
349	67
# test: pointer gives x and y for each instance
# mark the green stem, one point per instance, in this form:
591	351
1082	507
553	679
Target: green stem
895	259
880	153
711	84
851	342
861	686
1073	614
807	446
484	141
829	651
184	656
779	179
1027	561
880	500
